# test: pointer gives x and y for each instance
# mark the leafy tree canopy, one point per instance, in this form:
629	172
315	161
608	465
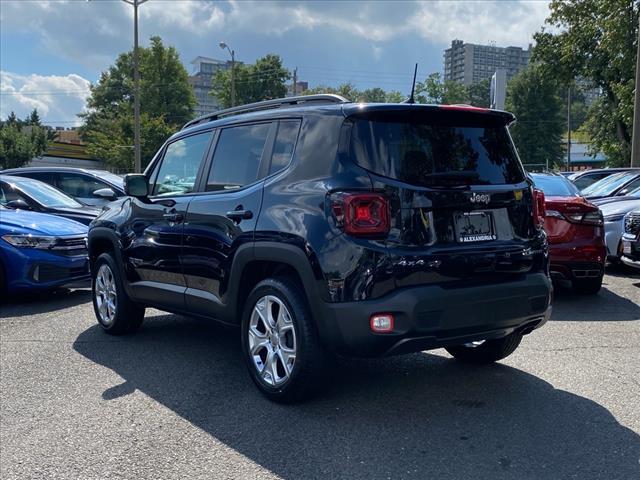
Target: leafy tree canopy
596	40
264	80
350	92
22	140
534	99
166	102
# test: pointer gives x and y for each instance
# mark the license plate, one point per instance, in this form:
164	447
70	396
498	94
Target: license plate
474	226
626	248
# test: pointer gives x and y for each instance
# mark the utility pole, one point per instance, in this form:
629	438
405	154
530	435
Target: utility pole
568	129
233	72
137	165
635	139
295	81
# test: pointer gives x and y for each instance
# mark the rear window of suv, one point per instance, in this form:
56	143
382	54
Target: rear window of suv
433	153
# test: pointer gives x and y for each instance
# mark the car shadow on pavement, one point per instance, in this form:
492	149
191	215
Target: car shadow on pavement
606	306
415	416
43	302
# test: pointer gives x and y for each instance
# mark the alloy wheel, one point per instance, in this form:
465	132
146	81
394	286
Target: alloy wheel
272	340
105	294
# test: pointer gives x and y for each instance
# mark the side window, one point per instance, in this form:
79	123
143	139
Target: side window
8	194
237	156
42	176
180	164
77	185
632	185
284	145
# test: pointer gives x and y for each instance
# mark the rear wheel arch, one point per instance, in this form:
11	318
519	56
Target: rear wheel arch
270	260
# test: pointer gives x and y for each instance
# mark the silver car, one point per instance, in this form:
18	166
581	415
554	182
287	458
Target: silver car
631	239
613	214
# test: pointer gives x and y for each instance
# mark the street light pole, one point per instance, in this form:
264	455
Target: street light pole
568	129
635	139
136	87
233	72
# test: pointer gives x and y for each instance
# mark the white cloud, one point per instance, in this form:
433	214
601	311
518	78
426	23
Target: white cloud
92	33
58	99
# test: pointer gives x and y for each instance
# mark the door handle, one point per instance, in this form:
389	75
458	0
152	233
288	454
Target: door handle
239	215
173	217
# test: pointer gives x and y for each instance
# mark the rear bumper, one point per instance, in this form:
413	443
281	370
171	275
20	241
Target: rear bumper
428	317
630	262
577	260
612	236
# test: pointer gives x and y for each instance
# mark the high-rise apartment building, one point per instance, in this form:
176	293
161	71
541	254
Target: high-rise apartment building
204	68
469	63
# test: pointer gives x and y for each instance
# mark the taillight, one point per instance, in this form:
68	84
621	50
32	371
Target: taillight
589	218
361	214
539	209
593	218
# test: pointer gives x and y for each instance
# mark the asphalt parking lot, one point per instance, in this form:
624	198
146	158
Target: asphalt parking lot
174	401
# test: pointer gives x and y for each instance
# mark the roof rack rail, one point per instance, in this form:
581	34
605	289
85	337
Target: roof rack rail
266	105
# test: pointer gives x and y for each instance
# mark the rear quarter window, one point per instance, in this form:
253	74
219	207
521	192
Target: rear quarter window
419	153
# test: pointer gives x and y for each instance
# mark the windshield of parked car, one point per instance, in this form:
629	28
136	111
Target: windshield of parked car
609	185
555	186
45	194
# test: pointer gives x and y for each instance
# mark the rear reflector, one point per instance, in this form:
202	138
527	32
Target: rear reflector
381	322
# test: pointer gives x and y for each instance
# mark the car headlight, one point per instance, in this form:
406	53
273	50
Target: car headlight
614	218
30	241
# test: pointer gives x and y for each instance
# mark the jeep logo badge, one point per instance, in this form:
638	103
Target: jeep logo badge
480	198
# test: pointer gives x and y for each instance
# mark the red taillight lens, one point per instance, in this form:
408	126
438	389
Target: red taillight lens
539	209
362	214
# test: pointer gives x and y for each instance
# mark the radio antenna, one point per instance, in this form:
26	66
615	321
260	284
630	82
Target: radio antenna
411	99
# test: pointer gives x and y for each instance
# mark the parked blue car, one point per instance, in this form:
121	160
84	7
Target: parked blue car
40	251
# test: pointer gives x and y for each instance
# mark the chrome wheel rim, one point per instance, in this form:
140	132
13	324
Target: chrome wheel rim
105	294
272	340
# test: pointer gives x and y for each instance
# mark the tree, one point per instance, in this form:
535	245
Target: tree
166	103
373	95
347	90
596	40
433	90
350	92
20	142
33	118
253	83
479	94
395	96
534	99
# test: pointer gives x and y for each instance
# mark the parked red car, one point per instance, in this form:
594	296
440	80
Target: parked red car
575	230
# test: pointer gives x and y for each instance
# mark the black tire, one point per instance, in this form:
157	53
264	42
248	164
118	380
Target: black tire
488	352
306	375
128	315
587	286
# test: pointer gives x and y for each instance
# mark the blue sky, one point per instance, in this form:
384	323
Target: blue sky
51	50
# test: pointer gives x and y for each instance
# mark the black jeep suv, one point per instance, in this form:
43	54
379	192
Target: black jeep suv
321	226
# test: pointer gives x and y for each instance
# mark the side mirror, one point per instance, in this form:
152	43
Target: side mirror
622	192
18	204
105	193
136	185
